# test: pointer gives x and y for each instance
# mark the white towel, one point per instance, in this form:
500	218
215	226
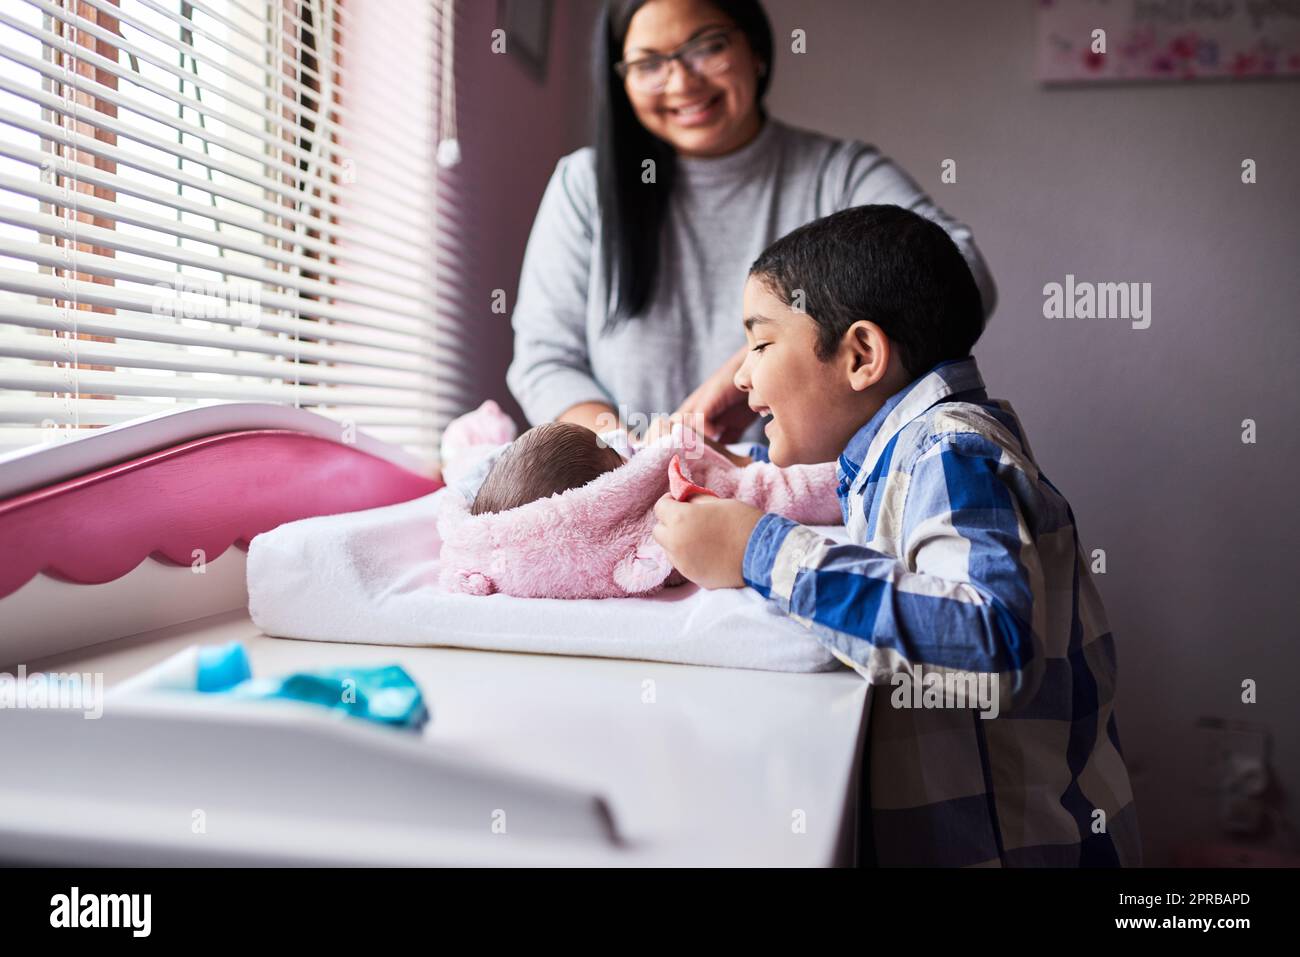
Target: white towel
370	576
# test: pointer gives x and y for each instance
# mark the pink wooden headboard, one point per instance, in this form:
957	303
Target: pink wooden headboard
205	494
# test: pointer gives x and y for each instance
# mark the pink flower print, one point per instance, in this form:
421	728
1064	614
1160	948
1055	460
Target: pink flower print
1184	46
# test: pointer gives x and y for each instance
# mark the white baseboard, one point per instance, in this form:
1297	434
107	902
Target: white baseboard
48	616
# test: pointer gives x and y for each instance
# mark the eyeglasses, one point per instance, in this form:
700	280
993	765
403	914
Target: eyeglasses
706	55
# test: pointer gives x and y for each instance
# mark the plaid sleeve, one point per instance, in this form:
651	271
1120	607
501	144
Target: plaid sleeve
963	600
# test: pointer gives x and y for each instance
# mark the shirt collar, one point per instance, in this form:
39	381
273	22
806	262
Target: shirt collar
943	381
738	164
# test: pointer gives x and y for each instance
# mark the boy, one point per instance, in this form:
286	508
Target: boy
964	563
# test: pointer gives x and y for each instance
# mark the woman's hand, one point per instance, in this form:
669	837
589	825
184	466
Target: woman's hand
717	406
663	425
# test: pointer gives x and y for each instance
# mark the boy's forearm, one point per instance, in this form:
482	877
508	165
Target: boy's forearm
887	619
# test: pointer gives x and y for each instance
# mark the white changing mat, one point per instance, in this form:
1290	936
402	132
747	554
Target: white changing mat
370	576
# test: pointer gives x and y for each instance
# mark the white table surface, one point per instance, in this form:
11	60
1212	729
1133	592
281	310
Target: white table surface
715	770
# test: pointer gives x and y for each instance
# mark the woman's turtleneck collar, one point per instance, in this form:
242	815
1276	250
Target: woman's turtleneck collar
734	165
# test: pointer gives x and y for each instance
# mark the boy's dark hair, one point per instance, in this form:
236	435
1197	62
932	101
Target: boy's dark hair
886	265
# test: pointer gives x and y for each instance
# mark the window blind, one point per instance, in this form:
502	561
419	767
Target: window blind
215	200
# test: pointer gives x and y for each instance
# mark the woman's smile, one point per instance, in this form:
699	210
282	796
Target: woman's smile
698	112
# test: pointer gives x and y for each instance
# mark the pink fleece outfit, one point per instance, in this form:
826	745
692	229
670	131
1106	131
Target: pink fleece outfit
595	541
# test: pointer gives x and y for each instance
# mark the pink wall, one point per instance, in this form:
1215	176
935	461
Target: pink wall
1140	429
512	131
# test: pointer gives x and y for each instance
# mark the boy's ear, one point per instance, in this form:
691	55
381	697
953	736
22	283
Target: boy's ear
866	354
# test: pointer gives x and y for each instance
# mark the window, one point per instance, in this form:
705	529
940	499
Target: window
229	200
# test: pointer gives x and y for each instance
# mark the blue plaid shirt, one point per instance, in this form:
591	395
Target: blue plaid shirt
964	561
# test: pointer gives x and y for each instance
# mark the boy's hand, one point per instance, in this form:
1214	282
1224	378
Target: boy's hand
706	537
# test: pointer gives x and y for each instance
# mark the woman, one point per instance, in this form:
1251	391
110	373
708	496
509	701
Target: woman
630	294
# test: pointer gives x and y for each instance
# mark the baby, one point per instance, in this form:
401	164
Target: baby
545	460
557	456
564	512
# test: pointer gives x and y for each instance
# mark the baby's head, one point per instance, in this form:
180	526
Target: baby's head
843	313
549	458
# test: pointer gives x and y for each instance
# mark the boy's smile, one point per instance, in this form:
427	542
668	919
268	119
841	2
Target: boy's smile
815	406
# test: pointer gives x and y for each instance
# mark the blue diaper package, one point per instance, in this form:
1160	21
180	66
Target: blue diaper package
386	695
218	667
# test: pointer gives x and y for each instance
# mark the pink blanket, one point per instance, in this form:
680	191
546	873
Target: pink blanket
596	541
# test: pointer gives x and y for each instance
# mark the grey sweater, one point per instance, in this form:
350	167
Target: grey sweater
724	211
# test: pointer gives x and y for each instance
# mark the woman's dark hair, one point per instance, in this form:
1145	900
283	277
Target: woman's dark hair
632	212
884	264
